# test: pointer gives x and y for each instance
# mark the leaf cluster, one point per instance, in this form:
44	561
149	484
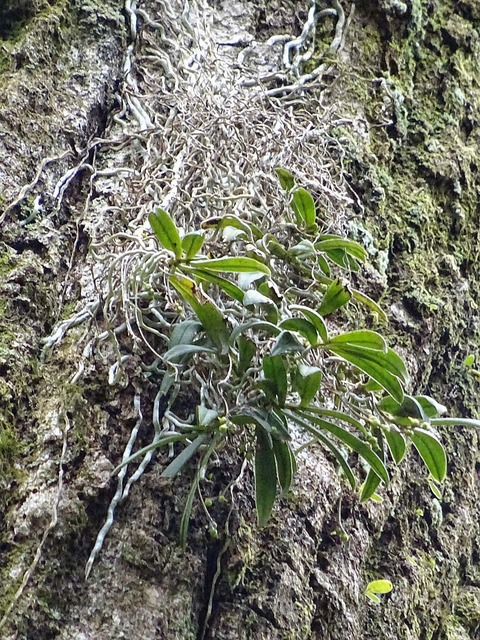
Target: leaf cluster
256	310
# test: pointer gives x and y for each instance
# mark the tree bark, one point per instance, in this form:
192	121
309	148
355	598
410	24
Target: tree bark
108	109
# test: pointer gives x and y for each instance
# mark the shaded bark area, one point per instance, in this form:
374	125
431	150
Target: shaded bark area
407	97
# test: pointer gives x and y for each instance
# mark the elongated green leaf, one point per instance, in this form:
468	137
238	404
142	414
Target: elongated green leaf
184	332
303	249
166	231
208	314
321	437
284	459
306	383
215	326
303	206
279	424
335	297
181	351
432	452
314	317
382	367
193	489
246	352
221	222
431	407
258	325
286	343
181	460
327	243
265	478
363	338
409	408
192	243
302	326
331	413
343	259
323	264
156	444
187	511
285	178
275	370
347	438
396	443
232	265
434	488
208	277
369	486
371	304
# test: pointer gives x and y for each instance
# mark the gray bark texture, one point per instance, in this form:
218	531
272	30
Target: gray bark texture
108	108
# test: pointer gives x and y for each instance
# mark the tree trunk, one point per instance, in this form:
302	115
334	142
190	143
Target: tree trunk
109	108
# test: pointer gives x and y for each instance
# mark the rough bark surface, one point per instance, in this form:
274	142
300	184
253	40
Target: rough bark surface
79	122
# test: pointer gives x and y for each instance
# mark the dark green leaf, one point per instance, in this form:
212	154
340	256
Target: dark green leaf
192	243
184	332
315	318
254	324
371	304
232	265
279	424
396	443
214	324
409	408
432	452
246	352
180	352
335	297
275	370
185	521
385	368
303	249
302	326
371	385
230	288
179	462
323	264
327	243
369	486
431	407
331	413
208	314
343	259
221	222
286	343
307	382
363	338
347	438
156	444
303	206
265	478
334	449
285	464
166	231
285	178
